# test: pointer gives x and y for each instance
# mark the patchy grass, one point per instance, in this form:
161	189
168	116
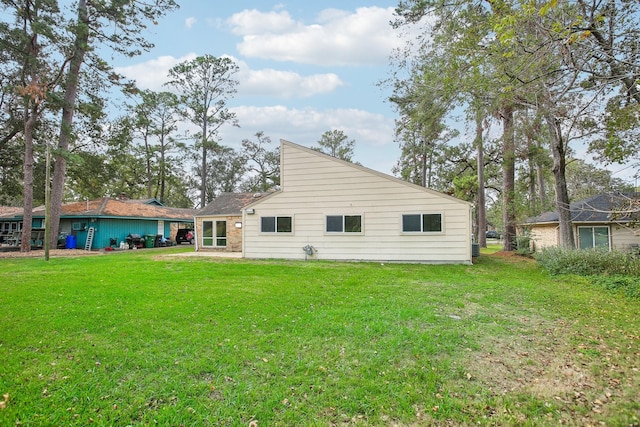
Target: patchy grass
140	339
491	249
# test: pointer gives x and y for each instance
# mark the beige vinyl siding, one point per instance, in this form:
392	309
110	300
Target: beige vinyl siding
314	186
623	237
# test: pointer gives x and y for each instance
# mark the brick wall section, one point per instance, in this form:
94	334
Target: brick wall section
234	235
544	236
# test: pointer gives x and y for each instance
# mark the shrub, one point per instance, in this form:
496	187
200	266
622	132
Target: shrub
523	245
630	286
588	262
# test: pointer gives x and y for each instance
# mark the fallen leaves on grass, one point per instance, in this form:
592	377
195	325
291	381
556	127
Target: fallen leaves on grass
55	253
4	401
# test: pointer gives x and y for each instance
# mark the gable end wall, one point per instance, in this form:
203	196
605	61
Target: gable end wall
314	185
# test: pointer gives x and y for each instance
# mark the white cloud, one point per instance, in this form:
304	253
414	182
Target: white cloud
338	37
372	132
190	22
283	84
264	82
255	22
287	84
152	74
309	124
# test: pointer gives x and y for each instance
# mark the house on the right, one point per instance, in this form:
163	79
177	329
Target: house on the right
609	221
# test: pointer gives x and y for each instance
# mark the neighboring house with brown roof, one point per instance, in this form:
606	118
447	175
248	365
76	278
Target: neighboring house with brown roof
218	226
610	221
8	227
112	220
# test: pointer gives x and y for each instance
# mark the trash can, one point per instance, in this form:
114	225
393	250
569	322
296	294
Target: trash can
475	250
70	242
149	239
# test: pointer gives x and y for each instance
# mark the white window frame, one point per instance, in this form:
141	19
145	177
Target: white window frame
343	232
421	232
218	238
275	231
214	234
593	236
204	236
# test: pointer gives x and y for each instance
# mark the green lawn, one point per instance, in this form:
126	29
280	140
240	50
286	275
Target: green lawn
138	338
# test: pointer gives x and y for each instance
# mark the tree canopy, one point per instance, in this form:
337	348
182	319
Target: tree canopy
554	74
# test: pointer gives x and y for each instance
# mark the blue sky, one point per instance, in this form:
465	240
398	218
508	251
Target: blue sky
305	68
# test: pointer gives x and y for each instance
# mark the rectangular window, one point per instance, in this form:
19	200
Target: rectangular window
344	224
593	237
422	223
220	236
411	223
207	233
432	222
268	224
276	224
221	233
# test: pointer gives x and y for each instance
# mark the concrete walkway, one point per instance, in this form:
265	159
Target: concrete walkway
208	254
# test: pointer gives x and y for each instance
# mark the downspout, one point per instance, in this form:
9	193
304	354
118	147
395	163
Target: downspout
195	234
470	235
244	227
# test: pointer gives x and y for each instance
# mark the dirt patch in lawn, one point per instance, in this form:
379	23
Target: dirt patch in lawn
572	373
511	255
54	253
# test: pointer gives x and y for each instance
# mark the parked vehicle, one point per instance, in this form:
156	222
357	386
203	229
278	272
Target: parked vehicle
492	234
185	235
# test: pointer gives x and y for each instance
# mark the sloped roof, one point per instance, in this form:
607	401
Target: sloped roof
9	212
151	201
594	209
114	208
230	204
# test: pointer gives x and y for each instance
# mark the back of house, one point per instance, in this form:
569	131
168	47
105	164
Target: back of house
331	209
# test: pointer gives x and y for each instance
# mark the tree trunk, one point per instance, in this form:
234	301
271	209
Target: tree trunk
424	181
480	202
508	178
31	117
203	172
147	152
33	96
430	166
562	195
66	124
532	176
542	197
163	168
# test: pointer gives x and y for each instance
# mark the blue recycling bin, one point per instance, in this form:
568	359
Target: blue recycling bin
71	242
